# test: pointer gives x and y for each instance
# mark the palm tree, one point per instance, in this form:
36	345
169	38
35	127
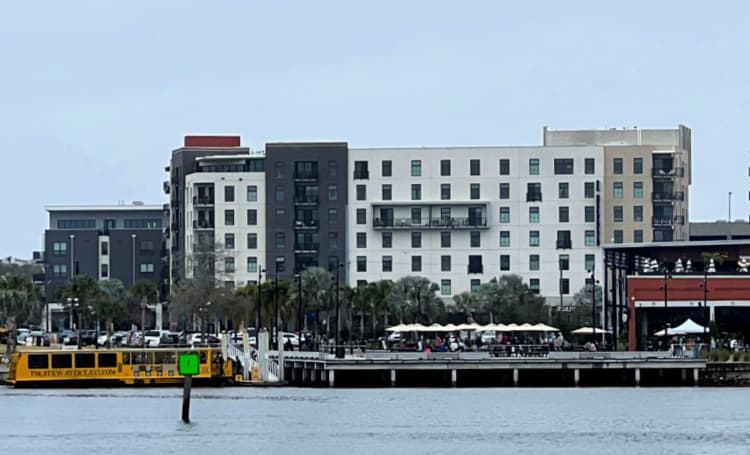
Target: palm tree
378	295
316	286
87	291
19	298
415	297
144	292
111	303
469	303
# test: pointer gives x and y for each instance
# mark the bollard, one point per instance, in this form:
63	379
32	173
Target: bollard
186	398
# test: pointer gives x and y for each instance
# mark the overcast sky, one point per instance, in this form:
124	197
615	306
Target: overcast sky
95	94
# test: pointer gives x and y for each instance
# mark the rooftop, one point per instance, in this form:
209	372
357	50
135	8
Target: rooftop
134	207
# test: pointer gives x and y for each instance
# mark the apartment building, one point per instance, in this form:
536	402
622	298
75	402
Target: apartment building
461	216
647	177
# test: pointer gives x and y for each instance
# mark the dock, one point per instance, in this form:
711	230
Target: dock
481	369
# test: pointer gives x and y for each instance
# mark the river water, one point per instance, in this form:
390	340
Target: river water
376	421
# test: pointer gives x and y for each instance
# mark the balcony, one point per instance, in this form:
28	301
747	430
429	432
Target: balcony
361	174
534	196
668	173
312	247
306	176
305	224
306	200
668	196
564	244
166	186
202	225
667	220
438	223
203	200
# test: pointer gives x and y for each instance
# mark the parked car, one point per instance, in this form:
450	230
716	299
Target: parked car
394	337
153	337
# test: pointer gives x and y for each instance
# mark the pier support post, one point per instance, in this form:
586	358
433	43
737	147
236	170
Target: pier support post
515	377
454	378
576	376
294	374
696	377
331	378
323	377
305	374
637	377
683	373
393	378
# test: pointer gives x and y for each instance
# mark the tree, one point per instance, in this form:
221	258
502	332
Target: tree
19	300
142	293
378	296
87	291
511	300
469	303
110	305
415	299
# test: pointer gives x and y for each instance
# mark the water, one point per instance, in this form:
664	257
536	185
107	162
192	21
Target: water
376	421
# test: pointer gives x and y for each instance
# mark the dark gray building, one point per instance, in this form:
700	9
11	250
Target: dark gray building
719	230
306	200
105	242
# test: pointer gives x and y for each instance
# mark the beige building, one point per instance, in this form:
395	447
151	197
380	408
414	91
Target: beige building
646	179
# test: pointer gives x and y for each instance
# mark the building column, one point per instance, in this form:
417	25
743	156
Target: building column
515	377
454	378
331	376
637	377
393	378
576	376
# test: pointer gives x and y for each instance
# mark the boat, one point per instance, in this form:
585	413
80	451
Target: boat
114	367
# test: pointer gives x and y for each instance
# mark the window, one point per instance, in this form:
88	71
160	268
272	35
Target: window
533	192
229	217
637	190
589	239
445	214
333	192
638	213
280	240
387	263
637	165
588	165
445	287
445	240
146	245
504	262
445	263
618	235
617	190
416	263
38	361
387	239
279	193
445	168
533	166
60	271
141	223
229	241
229	193
563	214
386	168
59	248
333	263
617	166
252	217
278	169
361	216
504	167
474	191
473	167
149	268
505	214
361	240
386	192
416	240
416	168
361	170
563	166
252	264
252	241
110	224
333	240
475	264
445	191
361	263
104	270
333	169
416	192
662	235
475	239
475	285
588	262
333	216
564	286
534	285
618	214
638	235
534	215
62	361
564	262
252	193
77	224
589	214
361	192
588	190
504	191
563	240
534	262
416	216
504	239
280	263
280	214
533	238
563	190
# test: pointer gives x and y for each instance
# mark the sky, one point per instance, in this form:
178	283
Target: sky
95	94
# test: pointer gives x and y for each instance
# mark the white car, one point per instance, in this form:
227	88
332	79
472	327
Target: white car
394	337
153	337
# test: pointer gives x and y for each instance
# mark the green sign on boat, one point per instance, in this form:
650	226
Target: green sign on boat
188	364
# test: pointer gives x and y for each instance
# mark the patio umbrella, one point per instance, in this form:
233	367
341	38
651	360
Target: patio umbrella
588	331
546	328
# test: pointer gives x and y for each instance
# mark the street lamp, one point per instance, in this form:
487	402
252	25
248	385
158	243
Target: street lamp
204	312
592	278
706	312
257	320
72	303
298	277
560	264
667	277
132	246
276	305
338	324
72	258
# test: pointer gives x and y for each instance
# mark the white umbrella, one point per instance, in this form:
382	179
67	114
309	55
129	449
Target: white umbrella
588	331
435	327
711	266
678	266
546	328
472	326
451	328
397	328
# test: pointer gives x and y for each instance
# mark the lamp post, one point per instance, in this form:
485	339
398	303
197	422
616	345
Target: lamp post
257	320
298	277
706	311
593	298
276	305
78	316
338	324
72	303
72	258
132	247
667	277
559	309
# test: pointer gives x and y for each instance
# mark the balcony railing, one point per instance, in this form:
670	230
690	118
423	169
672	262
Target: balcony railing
533	196
300	175
668	173
667	220
306	247
306	200
564	244
437	223
668	196
306	224
203	200
202	224
361	174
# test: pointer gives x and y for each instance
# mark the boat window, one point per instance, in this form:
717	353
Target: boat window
62	361
107	360
85	360
203	356
126	358
142	358
38	361
164	357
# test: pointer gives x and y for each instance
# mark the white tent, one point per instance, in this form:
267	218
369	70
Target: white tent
589	331
686	328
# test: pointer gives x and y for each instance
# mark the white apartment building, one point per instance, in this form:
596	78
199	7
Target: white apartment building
225	204
461	216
